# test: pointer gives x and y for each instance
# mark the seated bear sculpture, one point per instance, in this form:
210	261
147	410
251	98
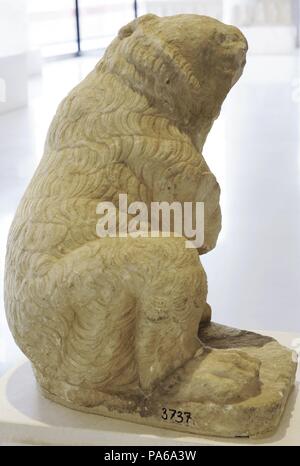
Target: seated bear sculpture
120	326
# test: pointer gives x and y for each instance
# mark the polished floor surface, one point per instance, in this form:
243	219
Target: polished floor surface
254	149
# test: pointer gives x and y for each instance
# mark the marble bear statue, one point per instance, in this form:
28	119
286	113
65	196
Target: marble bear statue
107	321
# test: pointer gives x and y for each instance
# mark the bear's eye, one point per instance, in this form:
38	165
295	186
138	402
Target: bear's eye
220	38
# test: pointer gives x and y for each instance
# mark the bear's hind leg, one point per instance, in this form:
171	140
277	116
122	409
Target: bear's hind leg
137	304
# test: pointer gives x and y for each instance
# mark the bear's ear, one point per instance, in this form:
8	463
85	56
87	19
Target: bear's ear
129	29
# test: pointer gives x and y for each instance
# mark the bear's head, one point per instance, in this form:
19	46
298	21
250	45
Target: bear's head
185	65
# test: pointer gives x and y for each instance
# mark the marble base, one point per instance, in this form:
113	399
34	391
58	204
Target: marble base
257	416
27	417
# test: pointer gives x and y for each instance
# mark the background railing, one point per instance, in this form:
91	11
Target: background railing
60	27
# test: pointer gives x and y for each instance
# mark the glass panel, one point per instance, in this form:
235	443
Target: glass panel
52	26
100	21
270	25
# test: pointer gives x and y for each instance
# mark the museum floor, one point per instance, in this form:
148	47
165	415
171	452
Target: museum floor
254	149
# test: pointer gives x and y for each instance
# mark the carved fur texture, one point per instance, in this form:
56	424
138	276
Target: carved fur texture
120	315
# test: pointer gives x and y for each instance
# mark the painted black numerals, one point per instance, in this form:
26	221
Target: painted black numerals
168	414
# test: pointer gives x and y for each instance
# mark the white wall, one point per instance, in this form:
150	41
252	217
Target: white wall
13	56
259	12
268	24
173	7
13	27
